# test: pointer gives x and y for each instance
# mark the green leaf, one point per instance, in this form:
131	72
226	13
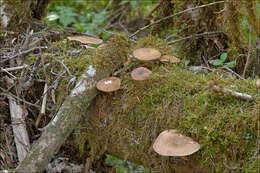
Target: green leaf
133	4
231	64
66	15
216	62
223	57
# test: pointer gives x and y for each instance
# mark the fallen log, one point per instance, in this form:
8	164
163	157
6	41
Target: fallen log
68	116
126	123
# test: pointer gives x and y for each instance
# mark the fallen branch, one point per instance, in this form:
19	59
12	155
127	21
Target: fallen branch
226	91
56	132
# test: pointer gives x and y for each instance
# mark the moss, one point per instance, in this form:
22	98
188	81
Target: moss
76	59
174	98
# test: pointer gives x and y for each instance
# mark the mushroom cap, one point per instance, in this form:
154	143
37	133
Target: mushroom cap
170	143
147	54
109	84
169	58
86	39
141	73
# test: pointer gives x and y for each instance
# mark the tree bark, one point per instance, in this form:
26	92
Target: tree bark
62	125
257	58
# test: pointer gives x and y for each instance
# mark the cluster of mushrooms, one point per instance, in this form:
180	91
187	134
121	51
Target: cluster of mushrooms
139	74
169	142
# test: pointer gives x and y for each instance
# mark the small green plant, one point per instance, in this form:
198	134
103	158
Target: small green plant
124	167
221	61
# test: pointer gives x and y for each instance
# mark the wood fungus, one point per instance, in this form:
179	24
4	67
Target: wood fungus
86	39
109	84
147	54
171	143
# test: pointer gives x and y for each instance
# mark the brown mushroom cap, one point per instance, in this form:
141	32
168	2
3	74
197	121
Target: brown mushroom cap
141	73
170	143
169	58
109	84
86	39
147	54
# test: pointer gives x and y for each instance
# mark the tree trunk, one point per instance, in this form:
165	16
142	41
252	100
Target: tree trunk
257	58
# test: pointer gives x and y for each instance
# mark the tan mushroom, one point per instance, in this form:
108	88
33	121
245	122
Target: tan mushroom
171	143
109	84
147	54
169	58
86	39
140	74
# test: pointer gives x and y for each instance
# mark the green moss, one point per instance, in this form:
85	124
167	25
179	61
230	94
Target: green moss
128	121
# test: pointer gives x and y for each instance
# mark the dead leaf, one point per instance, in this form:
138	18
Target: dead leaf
86	39
169	58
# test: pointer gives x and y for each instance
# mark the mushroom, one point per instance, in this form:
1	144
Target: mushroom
140	74
147	54
169	58
171	143
86	39
109	84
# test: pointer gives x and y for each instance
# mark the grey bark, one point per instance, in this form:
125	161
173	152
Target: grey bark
61	126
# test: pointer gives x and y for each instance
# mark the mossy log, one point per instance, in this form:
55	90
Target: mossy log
126	122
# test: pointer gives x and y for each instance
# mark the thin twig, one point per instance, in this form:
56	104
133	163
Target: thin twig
157	5
231	71
2	69
44	99
6	93
249	52
176	14
22	53
13	68
43	106
195	35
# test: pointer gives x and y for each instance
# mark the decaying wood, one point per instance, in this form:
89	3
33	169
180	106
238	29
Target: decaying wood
19	129
21	137
61	126
226	91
